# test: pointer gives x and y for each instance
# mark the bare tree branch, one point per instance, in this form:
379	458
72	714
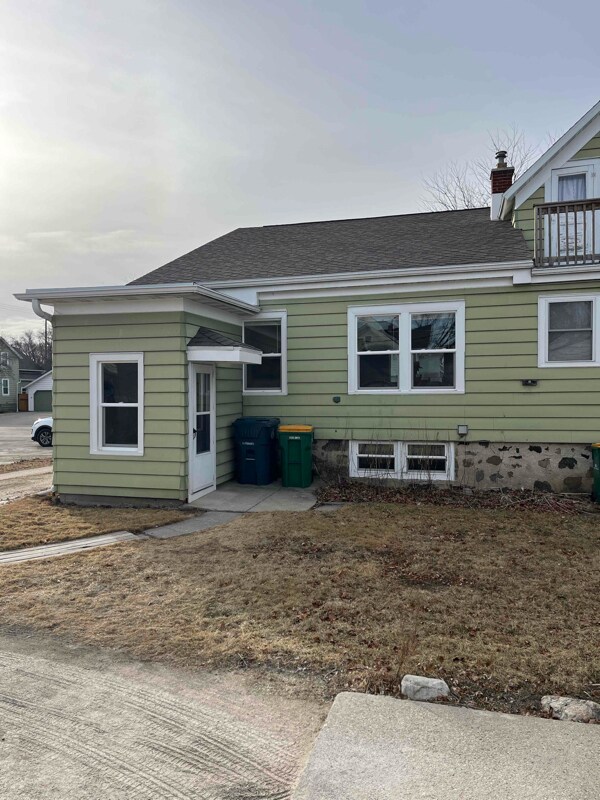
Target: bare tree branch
33	345
468	185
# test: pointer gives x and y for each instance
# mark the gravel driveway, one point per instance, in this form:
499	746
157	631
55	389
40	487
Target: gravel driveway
79	725
15	437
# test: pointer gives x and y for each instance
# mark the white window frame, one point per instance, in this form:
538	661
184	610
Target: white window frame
544	318
4	361
96	361
588	166
404	311
5	387
401	471
264	316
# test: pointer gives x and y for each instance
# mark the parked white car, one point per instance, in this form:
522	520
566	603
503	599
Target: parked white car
41	431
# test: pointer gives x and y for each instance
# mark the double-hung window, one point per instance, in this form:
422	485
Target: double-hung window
5	386
569	331
268	333
408	348
117	404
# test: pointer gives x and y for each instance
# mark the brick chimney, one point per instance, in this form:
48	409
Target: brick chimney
501	178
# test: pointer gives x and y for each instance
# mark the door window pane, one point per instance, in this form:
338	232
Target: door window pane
119	383
432	370
120	426
202	433
378	371
265	336
377	333
202	391
433	331
266	375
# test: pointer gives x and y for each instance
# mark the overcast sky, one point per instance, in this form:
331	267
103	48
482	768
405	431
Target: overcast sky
133	131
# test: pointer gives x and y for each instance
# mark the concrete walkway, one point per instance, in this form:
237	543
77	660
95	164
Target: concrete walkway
378	748
237	497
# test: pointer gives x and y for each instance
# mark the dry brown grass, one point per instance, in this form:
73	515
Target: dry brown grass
28	463
37	520
505	606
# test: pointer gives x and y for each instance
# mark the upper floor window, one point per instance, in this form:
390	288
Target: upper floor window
117	404
267	332
406	348
3	359
568	331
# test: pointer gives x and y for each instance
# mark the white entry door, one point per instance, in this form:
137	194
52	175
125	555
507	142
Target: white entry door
202	434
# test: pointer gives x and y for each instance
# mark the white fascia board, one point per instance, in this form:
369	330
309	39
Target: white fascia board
183	290
565	274
235	355
356	282
562	150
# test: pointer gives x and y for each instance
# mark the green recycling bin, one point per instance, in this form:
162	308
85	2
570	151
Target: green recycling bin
295	447
596	468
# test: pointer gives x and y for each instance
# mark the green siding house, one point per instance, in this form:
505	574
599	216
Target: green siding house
9	377
459	346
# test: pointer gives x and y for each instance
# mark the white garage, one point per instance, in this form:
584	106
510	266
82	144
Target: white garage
39	393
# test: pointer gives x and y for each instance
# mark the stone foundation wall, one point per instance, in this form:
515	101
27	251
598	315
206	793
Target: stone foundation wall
493	465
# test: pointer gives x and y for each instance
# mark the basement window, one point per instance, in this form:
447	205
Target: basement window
418	461
117	404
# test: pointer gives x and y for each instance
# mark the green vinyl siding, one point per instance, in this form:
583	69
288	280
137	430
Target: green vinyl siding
501	350
162	471
523	216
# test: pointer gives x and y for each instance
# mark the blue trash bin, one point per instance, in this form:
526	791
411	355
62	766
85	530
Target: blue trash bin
255	440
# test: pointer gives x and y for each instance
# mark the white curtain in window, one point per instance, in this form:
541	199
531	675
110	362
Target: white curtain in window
571	188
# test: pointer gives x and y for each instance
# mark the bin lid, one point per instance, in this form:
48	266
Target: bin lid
594	445
296	428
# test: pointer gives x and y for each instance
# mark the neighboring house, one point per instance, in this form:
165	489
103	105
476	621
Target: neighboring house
9	377
462	346
27	371
39	393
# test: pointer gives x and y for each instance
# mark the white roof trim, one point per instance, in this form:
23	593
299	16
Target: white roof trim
190	289
224	353
562	150
31	383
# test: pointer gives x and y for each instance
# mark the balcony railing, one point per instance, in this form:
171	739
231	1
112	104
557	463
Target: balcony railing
567	234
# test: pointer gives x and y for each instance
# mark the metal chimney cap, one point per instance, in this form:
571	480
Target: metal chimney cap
501	156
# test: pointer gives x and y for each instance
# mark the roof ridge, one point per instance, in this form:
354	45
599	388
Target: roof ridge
359	219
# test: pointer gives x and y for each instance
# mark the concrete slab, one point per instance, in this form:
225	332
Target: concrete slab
379	748
194	525
287	499
240	497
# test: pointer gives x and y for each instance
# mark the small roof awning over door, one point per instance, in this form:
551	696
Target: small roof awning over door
208	345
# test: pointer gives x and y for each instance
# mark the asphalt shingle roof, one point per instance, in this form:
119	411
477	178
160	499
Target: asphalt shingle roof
211	338
430	239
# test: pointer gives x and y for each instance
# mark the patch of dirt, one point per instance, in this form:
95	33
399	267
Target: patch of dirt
29	463
456	497
39	520
503	605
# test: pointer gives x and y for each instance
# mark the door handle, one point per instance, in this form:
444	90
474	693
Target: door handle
194	432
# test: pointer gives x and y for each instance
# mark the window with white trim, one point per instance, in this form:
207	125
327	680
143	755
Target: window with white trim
418	461
410	348
3	359
569	331
5	386
268	333
117	404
